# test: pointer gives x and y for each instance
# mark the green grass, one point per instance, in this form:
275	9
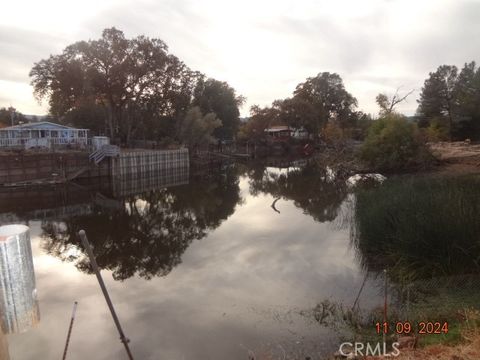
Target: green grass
419	227
426	232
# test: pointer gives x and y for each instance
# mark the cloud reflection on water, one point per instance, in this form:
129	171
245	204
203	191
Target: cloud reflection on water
240	287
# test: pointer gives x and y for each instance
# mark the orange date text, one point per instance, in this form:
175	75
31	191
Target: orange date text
406	327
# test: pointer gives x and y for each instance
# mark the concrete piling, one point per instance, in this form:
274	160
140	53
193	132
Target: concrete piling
18	294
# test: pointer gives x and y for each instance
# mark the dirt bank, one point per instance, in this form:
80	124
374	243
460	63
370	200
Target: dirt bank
456	157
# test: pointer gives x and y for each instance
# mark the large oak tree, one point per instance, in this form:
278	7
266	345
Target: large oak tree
319	100
328	98
140	87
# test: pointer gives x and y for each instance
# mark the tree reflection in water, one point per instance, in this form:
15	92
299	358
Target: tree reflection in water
148	234
312	188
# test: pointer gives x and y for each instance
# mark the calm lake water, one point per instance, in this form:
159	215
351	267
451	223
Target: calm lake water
215	266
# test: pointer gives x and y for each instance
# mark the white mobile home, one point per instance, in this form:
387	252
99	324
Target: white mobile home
42	134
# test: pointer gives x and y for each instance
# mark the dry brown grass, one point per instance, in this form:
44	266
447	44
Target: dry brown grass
469	350
455	150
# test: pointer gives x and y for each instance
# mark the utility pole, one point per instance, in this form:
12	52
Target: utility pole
12	114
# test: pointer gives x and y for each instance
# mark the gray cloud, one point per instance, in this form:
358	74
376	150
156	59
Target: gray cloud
21	48
452	40
265	51
323	45
174	22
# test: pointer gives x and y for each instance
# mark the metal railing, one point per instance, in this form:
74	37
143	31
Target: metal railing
105	151
42	142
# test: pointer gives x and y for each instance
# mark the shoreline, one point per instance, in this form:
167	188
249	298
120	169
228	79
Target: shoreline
455	158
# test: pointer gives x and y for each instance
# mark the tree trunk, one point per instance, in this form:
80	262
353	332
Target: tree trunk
450	122
110	121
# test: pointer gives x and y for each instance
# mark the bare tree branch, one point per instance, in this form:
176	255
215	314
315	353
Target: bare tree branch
396	99
387	103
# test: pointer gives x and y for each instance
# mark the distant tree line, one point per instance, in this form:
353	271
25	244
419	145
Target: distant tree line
10	116
134	89
317	103
448	107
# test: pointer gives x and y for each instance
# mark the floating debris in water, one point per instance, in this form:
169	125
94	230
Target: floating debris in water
357	179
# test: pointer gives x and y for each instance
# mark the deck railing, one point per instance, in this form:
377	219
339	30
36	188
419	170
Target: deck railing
68	141
42	142
12	142
105	151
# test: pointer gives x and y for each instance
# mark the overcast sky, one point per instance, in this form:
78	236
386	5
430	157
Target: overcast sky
263	48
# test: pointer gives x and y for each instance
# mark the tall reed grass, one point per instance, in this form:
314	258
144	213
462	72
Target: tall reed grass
419	227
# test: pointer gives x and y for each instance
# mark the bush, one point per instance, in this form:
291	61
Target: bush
394	143
437	131
334	135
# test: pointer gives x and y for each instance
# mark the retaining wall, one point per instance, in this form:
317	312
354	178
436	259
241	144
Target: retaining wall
25	166
19	167
148	161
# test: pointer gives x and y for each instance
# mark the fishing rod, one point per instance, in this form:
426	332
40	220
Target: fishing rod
93	262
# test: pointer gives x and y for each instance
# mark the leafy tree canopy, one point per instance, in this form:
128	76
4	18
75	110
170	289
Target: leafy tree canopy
195	128
315	102
394	143
213	96
9	116
329	99
138	85
452	95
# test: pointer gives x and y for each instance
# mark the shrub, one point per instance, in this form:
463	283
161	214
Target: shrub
334	135
394	143
437	131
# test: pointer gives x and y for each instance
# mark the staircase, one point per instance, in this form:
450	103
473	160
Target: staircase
105	151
